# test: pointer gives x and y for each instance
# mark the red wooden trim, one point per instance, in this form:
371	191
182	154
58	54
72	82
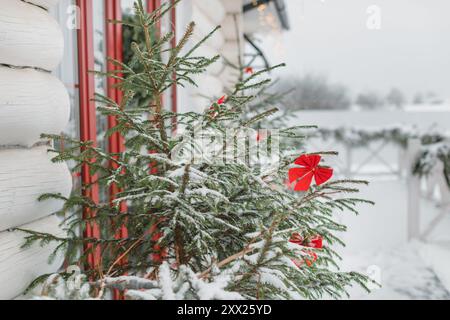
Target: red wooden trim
116	143
88	126
173	22
160	253
114	50
152	5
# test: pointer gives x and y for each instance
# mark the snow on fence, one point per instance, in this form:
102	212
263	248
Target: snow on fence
430	185
388	145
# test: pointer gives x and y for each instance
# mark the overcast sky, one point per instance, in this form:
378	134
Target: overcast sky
411	51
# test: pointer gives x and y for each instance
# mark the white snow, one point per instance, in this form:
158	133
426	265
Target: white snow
401	272
377	246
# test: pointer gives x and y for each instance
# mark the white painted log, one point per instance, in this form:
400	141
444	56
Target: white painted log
44	3
217	67
31	102
204	26
231	24
213	9
230	51
18	266
233	6
29	36
25	174
229	77
199	104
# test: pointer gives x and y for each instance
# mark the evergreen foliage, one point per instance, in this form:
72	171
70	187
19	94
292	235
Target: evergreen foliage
207	230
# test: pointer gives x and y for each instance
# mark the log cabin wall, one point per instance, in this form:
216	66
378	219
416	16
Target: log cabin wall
208	14
32	101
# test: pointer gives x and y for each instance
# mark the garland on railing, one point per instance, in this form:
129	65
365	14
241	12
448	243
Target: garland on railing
360	137
429	157
435	145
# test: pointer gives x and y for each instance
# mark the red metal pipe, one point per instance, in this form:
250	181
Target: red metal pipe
88	126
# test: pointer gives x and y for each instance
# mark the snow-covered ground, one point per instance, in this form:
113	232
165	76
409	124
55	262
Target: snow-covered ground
377	246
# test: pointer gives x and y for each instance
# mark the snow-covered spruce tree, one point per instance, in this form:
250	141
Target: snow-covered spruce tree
213	226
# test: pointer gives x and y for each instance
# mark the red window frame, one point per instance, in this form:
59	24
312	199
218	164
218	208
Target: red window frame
173	18
116	142
114	50
88	126
87	107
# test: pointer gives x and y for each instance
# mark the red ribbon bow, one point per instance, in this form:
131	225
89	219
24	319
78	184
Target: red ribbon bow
315	242
309	168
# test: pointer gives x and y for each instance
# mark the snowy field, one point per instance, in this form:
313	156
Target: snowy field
377	246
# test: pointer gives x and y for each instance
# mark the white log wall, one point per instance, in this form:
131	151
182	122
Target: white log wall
25	174
219	78
19	267
32	101
29	36
44	3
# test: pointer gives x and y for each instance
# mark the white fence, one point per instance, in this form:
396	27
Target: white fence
433	188
382	159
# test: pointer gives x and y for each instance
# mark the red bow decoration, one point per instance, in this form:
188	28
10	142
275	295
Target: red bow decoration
309	168
297	239
315	242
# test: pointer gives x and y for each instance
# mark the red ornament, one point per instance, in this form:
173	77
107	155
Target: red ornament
297	239
309	260
249	70
309	168
315	242
160	253
222	100
313	258
212	109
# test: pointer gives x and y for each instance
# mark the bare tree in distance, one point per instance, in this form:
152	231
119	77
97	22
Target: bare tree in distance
428	98
418	99
313	92
370	100
396	98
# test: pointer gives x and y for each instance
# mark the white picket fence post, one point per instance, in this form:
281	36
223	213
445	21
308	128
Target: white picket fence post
414	193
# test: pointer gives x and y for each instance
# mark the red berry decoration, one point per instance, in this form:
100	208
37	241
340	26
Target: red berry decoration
249	70
221	100
213	109
313	258
302	176
315	242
